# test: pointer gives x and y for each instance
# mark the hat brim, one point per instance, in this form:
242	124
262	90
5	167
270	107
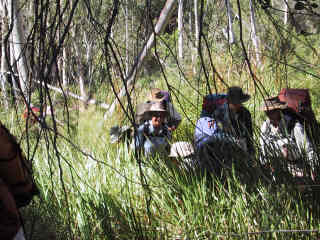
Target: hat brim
244	98
274	107
157	110
273	103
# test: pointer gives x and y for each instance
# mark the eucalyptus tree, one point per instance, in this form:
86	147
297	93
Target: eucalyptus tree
158	29
197	36
229	32
18	42
180	29
255	38
4	64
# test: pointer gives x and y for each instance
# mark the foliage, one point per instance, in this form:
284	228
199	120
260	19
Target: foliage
93	190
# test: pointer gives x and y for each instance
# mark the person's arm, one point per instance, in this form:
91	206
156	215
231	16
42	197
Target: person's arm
174	118
264	141
304	143
249	133
138	141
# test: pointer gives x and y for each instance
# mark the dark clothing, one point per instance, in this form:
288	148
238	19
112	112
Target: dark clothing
9	220
238	124
242	126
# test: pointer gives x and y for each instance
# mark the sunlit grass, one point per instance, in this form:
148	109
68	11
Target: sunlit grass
100	191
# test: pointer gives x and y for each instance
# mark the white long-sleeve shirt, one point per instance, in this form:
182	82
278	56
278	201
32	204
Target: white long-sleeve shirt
273	139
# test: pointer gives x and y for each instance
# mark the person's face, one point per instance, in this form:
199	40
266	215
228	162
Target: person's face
235	107
158	119
274	116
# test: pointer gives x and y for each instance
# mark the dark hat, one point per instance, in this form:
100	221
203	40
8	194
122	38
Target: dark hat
235	95
273	103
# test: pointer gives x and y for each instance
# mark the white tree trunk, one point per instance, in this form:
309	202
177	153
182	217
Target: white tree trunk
180	29
161	24
13	65
286	12
70	94
229	32
80	72
197	36
255	38
64	66
18	43
4	64
127	36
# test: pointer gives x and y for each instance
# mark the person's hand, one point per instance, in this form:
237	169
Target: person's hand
284	151
172	128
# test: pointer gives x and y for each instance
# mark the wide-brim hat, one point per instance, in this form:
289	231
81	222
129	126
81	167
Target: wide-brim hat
235	95
158	95
181	149
158	107
273	103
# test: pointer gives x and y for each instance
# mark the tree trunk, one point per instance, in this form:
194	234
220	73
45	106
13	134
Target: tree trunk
18	43
230	33
127	36
286	12
80	72
255	38
64	67
4	64
13	72
197	37
70	94
162	22
180	30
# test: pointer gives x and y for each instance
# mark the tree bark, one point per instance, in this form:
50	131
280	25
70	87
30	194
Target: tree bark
4	64
80	72
286	12
180	30
197	37
162	22
64	66
231	36
70	94
18	45
127	35
254	36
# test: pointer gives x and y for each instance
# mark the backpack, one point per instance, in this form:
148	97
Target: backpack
211	102
14	169
299	104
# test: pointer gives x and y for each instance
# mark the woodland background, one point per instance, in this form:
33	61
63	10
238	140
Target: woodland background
86	64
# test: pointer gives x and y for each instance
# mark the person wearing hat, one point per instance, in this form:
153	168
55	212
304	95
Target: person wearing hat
283	136
224	135
153	136
173	118
235	120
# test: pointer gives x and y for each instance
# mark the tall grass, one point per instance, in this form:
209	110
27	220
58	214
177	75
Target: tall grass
102	192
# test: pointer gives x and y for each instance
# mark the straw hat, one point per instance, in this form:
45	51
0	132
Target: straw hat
157	107
181	149
273	103
158	95
235	95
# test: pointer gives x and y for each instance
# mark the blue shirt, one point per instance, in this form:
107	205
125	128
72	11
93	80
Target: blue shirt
207	129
